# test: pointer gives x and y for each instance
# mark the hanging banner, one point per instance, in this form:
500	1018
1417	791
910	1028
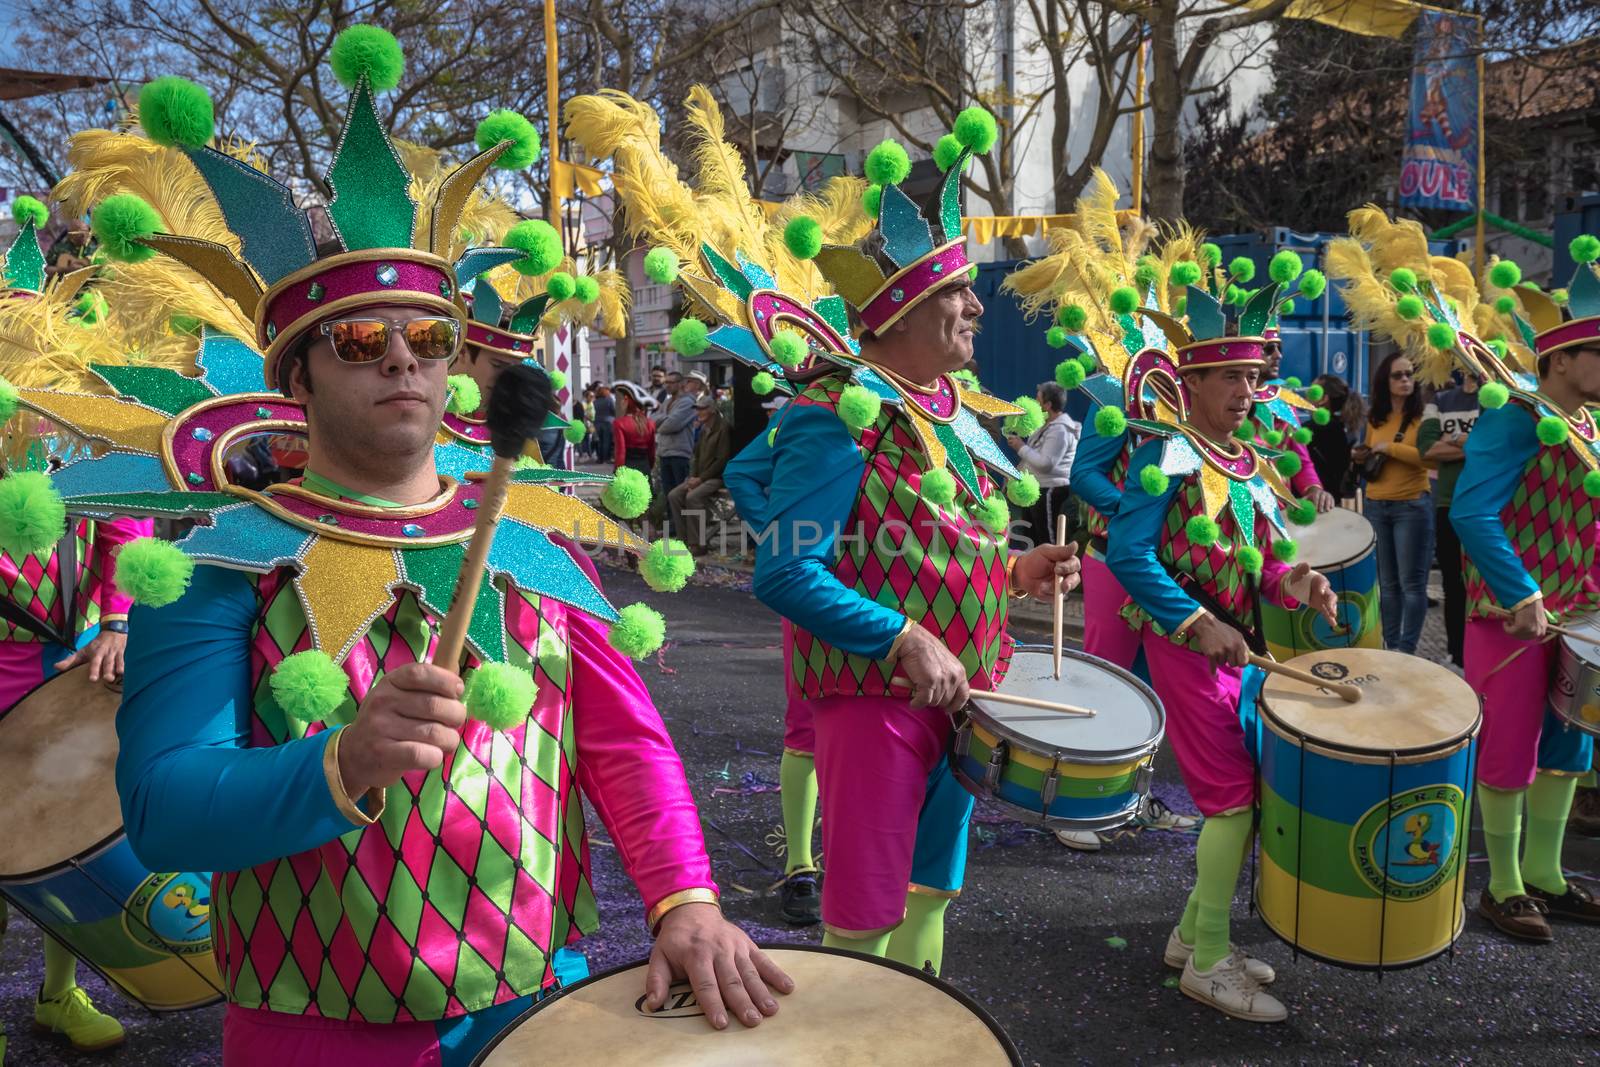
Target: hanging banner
1440	165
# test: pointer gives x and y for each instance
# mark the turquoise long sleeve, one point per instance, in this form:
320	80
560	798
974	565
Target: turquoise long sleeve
1499	447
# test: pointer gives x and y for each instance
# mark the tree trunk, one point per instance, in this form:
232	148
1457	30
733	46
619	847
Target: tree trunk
1165	177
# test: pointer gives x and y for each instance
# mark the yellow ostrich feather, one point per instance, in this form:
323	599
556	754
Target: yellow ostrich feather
1096	212
719	177
1371	301
838	210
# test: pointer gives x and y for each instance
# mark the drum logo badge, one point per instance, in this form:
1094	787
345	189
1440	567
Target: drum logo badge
171	914
1409	841
680	1004
1330	670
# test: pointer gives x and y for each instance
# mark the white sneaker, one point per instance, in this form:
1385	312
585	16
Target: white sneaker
1178	953
1082	840
1230	990
1155	815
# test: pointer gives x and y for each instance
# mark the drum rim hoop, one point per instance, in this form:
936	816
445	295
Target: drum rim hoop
1007	1046
1141	751
1349	753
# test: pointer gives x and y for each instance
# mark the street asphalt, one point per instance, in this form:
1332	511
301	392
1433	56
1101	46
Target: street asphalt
1062	947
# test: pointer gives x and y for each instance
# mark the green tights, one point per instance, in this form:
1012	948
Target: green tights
918	941
797	780
1218	858
1549	801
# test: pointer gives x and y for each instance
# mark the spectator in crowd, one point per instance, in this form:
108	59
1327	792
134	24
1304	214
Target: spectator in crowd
633	432
604	415
70	251
1446	421
1048	454
660	389
675	431
1399	505
711	451
1331	441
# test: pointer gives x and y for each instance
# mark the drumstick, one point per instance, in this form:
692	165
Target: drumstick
1020	701
1350	694
1061	539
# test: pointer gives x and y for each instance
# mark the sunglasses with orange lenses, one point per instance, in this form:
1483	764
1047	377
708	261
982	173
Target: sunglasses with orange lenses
367	340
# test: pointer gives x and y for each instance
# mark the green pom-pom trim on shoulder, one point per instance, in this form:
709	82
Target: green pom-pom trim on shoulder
1250	559
1154	481
1313	283
994	513
667	565
1186	272
1202	530
309	686
1057	337
1124	300
872	200
762	383
946	152
1292	382
33	517
9	400
465	396
976	129
120	221
26	209
1404	279
938	487
575	432
1110	421
689	337
560	286
504	124
1285	267
1242	268
1274	438
1072	317
1288	464
1553	430
628	495
177	112
859	406
1212	252
803	237
1321	416
887	163
661	266
1441	335
638	632
1301	435
369	50
1245	431
788	348
1069	374
1285	549
586	288
1505	274
152	572
1591	483
1023	490
1585	248
540	244
500	695
1314	392
1493	395
1302	513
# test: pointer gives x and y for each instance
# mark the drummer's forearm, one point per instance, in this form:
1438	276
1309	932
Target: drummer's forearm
109	536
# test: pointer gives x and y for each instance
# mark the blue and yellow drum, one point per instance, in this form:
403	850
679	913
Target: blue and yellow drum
1342	546
1364	809
65	863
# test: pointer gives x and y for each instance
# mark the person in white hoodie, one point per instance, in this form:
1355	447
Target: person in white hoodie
1047	454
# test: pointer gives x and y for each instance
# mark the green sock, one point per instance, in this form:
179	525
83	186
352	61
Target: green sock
797	779
919	940
1590	780
1502	830
1549	804
878	945
1218	858
60	969
1191	912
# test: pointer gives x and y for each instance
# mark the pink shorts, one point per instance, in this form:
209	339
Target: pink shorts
1105	632
1203	726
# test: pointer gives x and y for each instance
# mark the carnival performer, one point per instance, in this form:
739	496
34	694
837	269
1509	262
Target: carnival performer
1197	539
281	722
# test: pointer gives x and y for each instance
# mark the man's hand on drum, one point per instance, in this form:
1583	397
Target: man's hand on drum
1322	499
1314	590
408	722
1529	622
936	676
1036	571
726	970
103	655
1220	643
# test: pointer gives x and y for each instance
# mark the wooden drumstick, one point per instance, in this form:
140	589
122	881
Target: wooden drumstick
1350	694
1060	599
1020	701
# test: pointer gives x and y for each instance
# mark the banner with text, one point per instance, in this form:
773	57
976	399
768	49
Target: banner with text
1440	165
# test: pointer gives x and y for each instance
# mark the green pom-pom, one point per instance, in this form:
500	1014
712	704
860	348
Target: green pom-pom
9	398
976	129
967	380
1321	416
120	221
1499	347
560	286
464	395
1030	420
26	209
1202	530
1249	558
872	200
152	572
1154	481
859	406
1072	317
575	432
788	348
1088	362
1403	279
803	237
1559	297
638	632
887	163
1591	483
1292	382
1245	431
1273	437
1186	272
994	513
91	307
1124	300
763	383
946	152
1532	286
1505	274
1493	395
1284	549
661	266
689	338
176	111
1584	248
938	487
1235	295
1505	305
1302	513
500	695
1180	306
1212	253
32	514
1242	268
1057	337
667	566
1024	490
540	244
1069	374
309	686
188	325
1146	273
1552	430
1313	283
1301	435
1409	308
1110	422
1286	308
628	495
1314	392
507	125
558	379
1441	335
368	50
586	288
1288	464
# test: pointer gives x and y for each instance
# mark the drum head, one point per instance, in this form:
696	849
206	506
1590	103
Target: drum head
58	761
1128	715
846	1011
1407	704
1587	651
1337	537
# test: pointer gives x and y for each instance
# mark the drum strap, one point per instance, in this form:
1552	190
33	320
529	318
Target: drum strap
22	620
67	556
1252	637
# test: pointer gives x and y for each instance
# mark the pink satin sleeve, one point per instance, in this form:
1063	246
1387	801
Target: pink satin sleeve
110	535
1305	479
629	769
1273	573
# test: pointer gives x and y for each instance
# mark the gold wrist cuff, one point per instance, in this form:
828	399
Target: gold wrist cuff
678	899
341	796
113	616
1011	586
1183	627
1525	601
899	640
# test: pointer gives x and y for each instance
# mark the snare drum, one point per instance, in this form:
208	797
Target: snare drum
1364	808
846	1011
1575	693
1064	771
1342	546
65	863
